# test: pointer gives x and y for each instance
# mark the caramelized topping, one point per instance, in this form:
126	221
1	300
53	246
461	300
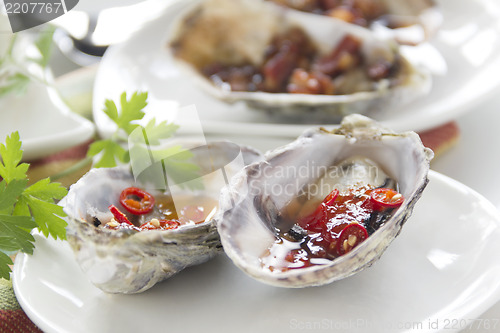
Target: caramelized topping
292	65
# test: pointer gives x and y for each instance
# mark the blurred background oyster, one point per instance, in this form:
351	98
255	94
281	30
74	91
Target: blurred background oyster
291	63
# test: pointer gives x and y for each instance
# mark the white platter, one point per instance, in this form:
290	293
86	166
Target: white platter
439	274
465	55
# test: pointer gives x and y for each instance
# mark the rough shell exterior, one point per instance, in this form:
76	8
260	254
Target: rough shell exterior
250	206
127	261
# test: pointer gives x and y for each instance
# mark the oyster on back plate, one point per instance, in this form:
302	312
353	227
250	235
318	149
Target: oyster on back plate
131	261
291	63
252	207
408	21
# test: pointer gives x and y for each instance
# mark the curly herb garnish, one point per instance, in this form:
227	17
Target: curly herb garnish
24	208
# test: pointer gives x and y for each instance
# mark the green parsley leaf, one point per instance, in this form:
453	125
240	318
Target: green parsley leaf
175	152
47	217
15	228
17	82
131	110
45	190
176	164
40	197
9	193
5	261
44	45
24	208
16	72
184	174
143	143
157	132
110	151
8	244
12	154
111	110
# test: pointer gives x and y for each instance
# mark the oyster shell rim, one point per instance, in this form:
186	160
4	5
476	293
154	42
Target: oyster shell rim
430	19
418	81
119	233
140	259
295	278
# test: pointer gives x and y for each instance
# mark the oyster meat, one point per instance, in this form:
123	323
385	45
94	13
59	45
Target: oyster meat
291	63
126	260
256	208
408	21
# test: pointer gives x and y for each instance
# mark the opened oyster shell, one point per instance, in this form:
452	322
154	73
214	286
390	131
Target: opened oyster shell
248	50
132	261
408	21
252	207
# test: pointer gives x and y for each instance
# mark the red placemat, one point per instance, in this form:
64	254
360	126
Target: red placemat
12	317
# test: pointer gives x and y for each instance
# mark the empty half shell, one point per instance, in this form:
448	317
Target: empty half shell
253	206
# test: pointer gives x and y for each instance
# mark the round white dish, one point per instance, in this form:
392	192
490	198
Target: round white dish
464	56
439	274
45	123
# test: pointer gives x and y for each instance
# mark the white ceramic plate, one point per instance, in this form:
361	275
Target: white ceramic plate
439	274
466	49
45	123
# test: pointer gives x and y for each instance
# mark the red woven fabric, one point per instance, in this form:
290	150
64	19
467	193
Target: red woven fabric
441	138
16	321
77	152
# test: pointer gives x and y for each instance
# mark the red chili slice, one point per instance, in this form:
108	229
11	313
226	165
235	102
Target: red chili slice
119	216
169	224
350	237
137	201
314	219
330	198
386	198
319	216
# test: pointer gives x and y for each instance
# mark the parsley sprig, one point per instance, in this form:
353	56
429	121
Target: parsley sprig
142	140
15	75
23	207
110	152
146	140
113	151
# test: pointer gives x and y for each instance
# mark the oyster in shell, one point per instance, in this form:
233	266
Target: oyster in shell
132	261
408	21
291	63
252	207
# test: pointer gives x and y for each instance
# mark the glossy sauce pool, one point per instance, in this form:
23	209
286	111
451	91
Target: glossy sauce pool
323	231
187	210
